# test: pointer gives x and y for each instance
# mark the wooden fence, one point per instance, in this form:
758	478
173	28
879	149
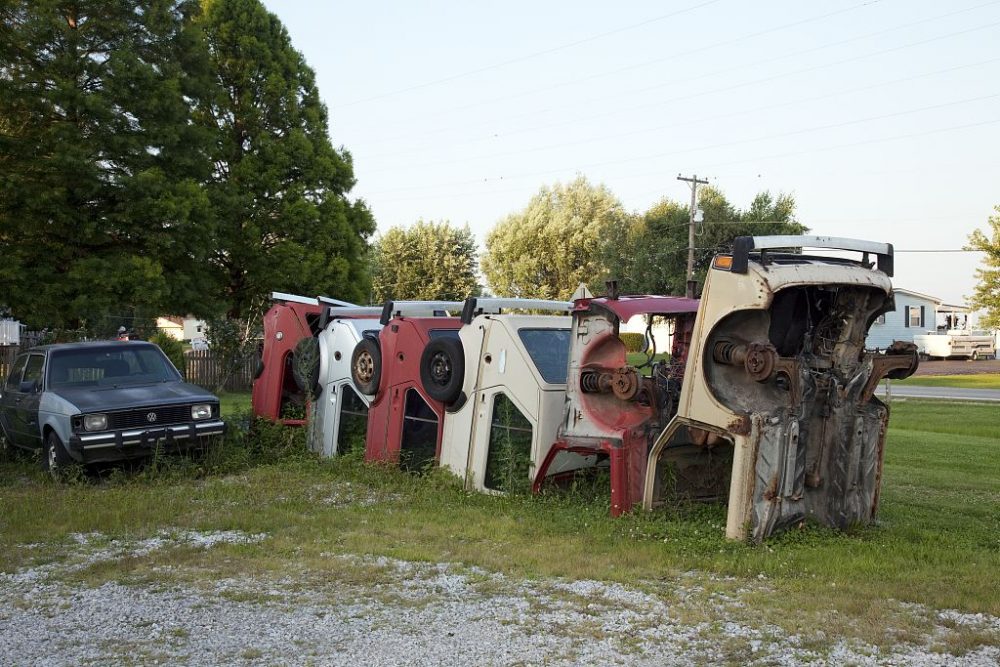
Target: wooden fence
206	371
202	369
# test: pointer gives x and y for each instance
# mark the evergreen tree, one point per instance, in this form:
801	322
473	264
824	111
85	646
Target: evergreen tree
101	214
278	188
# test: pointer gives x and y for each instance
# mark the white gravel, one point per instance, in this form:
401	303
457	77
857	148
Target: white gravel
399	613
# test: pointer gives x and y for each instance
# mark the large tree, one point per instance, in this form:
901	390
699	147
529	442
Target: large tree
427	261
555	243
652	256
279	187
101	213
987	294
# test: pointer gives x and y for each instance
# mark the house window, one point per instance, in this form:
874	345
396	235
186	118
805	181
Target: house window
508	459
915	319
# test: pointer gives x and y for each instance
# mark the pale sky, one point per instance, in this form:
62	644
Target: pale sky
881	117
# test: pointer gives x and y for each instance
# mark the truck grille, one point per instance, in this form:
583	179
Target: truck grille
140	418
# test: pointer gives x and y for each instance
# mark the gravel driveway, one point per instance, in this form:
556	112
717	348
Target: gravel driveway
391	612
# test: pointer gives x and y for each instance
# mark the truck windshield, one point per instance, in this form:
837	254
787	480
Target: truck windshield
549	350
110	366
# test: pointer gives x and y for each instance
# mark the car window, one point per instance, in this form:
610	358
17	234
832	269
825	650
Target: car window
508	458
549	351
418	446
14	379
33	369
434	334
353	421
110	366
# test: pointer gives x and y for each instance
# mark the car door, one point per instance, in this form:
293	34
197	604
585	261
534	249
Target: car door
26	403
10	396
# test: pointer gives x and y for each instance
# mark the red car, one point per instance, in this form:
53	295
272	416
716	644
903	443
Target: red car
614	410
404	423
277	395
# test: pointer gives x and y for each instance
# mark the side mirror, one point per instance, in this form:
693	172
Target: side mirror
29	387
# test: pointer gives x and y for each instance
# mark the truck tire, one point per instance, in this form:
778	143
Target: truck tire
366	366
442	369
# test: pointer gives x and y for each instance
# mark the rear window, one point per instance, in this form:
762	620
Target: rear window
110	366
549	351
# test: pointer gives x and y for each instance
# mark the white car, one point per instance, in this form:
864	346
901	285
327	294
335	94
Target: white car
506	403
777	403
340	414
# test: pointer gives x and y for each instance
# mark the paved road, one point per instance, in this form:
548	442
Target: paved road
951	393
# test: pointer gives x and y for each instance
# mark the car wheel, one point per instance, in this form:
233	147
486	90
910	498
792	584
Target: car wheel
305	365
56	459
442	369
366	366
975	355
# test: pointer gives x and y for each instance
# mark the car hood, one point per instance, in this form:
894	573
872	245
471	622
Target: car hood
93	399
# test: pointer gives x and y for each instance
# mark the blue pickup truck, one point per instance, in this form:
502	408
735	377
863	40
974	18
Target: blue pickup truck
103	401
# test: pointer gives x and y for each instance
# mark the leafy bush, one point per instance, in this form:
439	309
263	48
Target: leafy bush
634	342
171	347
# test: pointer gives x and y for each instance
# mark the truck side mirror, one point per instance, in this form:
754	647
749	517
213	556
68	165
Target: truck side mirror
29	386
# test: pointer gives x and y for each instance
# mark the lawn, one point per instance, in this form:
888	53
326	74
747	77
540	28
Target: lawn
231	403
937	542
979	381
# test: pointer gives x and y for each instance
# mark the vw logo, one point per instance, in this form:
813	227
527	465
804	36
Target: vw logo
151	417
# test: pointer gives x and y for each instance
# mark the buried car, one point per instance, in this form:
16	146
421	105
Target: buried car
612	411
104	401
777	413
503	381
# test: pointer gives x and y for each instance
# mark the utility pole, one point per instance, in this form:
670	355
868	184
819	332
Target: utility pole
693	180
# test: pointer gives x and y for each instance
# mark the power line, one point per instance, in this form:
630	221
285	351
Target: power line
725	71
529	56
674	56
695	121
724	144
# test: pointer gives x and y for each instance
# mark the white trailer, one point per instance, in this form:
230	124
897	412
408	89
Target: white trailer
954	343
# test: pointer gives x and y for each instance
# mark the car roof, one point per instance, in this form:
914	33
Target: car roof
90	345
626	307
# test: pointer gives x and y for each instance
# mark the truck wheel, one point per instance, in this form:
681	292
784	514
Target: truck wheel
442	369
975	355
366	366
55	460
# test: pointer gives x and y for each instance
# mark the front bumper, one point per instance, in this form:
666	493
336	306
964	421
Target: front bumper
176	434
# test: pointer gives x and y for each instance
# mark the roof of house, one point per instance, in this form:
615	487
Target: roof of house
927	297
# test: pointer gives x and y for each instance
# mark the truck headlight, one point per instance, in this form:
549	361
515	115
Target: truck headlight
203	411
95	422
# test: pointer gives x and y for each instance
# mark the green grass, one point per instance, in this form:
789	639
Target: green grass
232	403
937	542
980	381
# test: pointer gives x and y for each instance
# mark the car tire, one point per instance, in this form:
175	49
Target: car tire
305	365
975	355
442	369
55	459
366	366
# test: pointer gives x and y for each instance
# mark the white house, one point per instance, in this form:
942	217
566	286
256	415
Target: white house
915	313
181	328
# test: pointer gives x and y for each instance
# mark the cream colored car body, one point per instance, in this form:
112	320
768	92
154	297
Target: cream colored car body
498	363
805	442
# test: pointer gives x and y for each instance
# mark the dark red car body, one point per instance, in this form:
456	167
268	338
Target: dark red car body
619	422
274	387
404	423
